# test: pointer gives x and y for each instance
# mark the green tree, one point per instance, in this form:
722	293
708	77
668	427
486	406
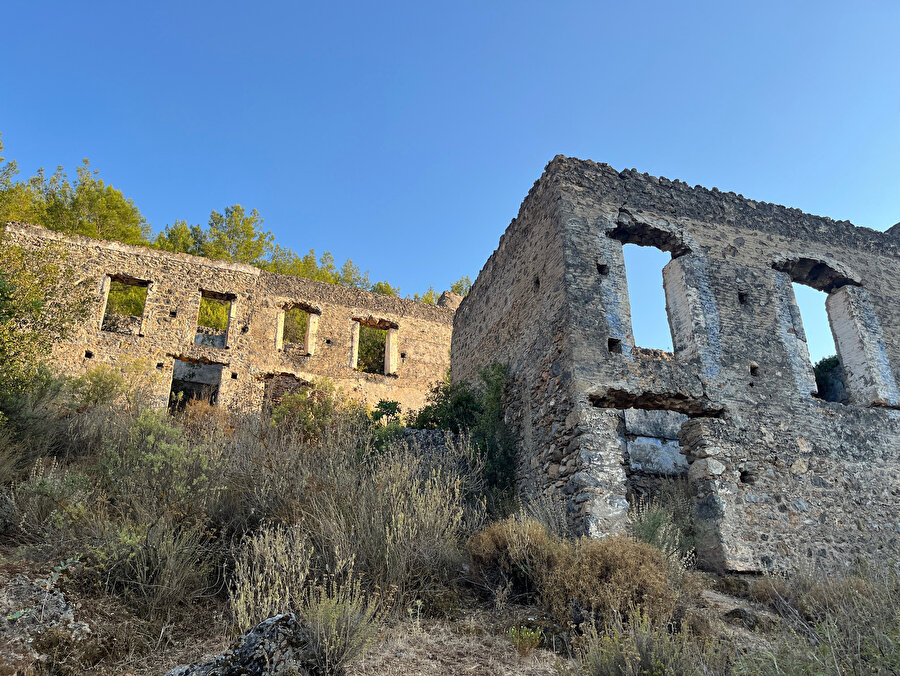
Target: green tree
89	206
351	275
286	262
430	297
462	286
238	237
38	304
385	289
19	201
181	238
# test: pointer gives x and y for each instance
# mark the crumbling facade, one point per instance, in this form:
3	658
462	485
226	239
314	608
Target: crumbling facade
252	359
779	476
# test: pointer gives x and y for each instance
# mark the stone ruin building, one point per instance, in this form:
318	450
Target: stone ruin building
780	476
252	361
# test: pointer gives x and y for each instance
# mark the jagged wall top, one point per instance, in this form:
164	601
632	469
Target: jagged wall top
633	189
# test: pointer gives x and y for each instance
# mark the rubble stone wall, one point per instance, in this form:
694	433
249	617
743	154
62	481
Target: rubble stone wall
739	379
167	333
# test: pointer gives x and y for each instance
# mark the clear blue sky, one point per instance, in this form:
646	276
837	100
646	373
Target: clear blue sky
405	135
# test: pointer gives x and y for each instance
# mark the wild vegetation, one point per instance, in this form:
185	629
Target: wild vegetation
172	533
91	207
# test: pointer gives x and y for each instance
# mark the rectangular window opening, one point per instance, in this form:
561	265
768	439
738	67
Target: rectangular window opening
370	356
213	319
830	382
647	298
125	303
192	381
297	327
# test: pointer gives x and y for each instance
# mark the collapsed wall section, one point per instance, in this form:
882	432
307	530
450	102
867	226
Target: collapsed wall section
242	349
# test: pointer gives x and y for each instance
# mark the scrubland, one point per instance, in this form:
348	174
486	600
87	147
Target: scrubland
170	534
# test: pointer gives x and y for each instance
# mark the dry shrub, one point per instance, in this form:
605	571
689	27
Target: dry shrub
514	556
341	621
269	575
575	579
392	518
154	566
640	648
834	625
610	578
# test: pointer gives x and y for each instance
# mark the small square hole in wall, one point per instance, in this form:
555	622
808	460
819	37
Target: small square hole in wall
403	355
743	297
233	376
88	354
754	368
173	313
603	269
328	341
614	345
159	366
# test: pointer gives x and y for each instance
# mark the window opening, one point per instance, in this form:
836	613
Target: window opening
647	298
213	319
374	347
125	303
372	341
191	380
297	326
820	343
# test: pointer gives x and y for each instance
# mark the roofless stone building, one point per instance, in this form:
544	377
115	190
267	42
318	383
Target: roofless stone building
780	476
253	358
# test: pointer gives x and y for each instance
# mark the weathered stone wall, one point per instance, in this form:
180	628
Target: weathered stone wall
740	368
166	335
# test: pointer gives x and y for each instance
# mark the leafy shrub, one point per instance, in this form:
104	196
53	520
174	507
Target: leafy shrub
370	357
341	622
269	575
459	407
311	411
525	639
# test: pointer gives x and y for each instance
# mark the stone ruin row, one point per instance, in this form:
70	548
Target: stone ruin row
779	474
252	362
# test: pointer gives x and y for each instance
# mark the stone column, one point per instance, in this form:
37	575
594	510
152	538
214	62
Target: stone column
312	326
860	346
790	331
279	331
391	353
104	295
354	344
614	293
693	314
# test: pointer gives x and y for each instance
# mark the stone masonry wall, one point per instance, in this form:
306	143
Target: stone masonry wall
248	354
739	381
